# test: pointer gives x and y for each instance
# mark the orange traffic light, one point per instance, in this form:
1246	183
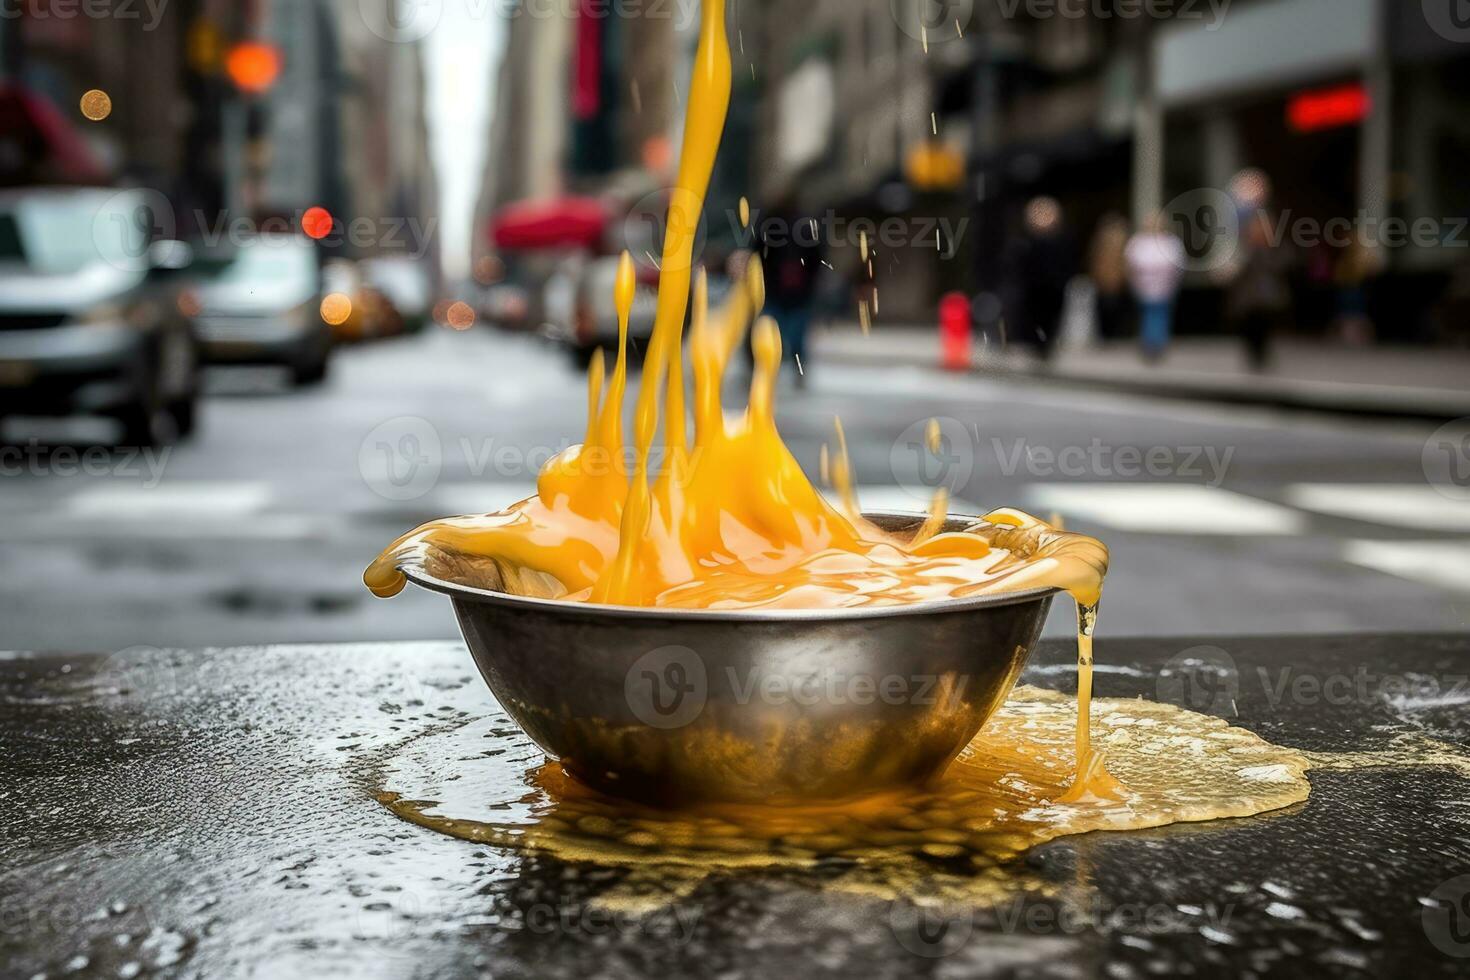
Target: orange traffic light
253	66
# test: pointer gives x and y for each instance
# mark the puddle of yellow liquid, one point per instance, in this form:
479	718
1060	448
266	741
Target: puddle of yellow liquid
959	837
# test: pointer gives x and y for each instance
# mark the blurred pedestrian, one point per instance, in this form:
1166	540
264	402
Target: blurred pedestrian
1355	266
792	254
1040	264
1155	258
1450	317
1258	296
1250	189
1108	270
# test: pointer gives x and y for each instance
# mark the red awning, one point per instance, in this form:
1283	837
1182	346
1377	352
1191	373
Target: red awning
567	222
46	147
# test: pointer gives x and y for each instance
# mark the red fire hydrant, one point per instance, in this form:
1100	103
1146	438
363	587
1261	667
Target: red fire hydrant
955	338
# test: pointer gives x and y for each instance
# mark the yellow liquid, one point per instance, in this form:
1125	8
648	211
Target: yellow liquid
727	519
1005	793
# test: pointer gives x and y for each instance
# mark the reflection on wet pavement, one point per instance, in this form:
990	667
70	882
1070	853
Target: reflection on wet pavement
214	813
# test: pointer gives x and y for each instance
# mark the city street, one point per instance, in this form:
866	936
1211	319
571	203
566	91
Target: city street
283	282
1221	519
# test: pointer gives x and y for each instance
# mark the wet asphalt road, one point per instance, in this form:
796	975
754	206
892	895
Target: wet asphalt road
213	815
1222	520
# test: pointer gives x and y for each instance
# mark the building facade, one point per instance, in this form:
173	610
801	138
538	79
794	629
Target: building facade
341	123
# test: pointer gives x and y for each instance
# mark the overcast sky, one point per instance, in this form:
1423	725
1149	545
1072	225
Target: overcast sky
462	55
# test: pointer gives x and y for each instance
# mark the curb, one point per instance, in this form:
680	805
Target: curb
1341	398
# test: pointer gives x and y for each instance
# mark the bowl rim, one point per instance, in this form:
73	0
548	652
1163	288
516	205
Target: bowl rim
574	609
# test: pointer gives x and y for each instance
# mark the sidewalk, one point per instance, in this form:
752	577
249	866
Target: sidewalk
1419	382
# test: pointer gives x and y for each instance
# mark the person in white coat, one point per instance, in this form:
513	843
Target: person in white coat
1156	259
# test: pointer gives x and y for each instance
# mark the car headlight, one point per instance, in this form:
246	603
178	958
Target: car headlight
139	315
103	314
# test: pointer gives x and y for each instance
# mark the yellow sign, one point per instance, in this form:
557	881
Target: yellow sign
205	47
935	166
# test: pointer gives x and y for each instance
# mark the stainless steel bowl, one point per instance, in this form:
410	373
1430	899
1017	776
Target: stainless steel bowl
674	706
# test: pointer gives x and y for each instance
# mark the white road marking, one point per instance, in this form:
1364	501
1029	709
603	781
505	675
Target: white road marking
171	499
1158	508
1445	564
186	528
1418	506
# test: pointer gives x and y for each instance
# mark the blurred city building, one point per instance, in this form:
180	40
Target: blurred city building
852	120
530	130
157	131
230	110
589	108
1351	110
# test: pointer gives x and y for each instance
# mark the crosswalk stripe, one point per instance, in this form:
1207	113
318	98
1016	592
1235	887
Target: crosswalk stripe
1418	506
1445	564
175	498
191	528
1161	508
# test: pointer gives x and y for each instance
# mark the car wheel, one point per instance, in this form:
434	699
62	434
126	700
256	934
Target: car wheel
184	413
310	372
140	424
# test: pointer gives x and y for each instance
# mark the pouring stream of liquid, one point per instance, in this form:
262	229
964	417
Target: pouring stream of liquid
728	520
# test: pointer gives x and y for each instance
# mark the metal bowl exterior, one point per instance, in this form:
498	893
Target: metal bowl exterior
674	706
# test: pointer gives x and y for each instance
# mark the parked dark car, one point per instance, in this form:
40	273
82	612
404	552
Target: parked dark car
89	318
265	307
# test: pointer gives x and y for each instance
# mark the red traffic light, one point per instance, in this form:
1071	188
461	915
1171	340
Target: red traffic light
317	223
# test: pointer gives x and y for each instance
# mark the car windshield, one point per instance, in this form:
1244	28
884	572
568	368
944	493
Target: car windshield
65	234
11	249
282	268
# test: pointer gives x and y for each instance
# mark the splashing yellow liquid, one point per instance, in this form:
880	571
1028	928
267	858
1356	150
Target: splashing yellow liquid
1007	792
725	518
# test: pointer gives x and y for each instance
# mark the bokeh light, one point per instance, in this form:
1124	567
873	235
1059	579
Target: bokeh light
336	308
489	270
317	223
460	316
96	105
189	303
253	66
